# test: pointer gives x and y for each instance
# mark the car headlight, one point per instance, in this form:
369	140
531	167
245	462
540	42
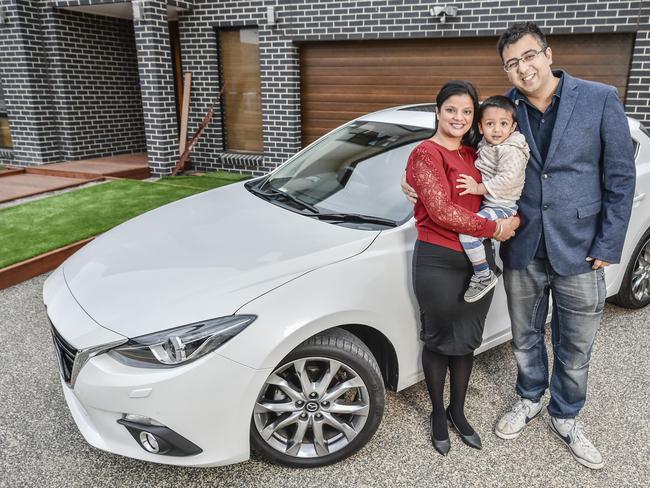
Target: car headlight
180	345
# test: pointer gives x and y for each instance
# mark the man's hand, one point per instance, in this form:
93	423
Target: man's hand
408	190
507	228
470	186
597	263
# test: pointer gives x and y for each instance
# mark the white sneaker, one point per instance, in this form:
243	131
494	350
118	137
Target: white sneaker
571	432
512	424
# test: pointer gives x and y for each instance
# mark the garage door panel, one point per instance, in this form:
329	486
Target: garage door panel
359	49
330	115
400	61
316	132
593	70
369	99
343	80
392	81
595	60
316	72
362	90
336	106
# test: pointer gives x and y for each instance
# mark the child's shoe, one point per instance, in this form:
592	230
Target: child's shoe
478	287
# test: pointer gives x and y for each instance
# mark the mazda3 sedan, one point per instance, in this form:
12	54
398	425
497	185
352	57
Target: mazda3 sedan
271	314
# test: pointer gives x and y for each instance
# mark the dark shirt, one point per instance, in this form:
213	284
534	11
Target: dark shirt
541	127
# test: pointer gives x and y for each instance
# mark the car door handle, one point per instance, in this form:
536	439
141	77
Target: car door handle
637	199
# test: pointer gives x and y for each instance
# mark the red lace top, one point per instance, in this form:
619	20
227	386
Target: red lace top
440	212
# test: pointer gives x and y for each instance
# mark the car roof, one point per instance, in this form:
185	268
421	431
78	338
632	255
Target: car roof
419	115
422	115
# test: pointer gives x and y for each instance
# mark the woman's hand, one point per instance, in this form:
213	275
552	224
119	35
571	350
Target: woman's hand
470	186
408	190
506	228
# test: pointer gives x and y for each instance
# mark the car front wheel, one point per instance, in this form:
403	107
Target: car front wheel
635	288
321	404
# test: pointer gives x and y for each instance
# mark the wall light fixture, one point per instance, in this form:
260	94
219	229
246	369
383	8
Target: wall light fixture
138	10
443	11
270	15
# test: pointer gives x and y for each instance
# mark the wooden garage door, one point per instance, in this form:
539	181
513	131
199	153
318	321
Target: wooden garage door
342	80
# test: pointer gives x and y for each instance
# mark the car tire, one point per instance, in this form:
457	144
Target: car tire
636	278
292	428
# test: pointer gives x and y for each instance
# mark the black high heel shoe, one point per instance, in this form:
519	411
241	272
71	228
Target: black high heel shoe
442	446
471	440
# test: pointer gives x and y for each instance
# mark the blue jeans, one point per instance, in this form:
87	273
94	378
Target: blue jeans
578	303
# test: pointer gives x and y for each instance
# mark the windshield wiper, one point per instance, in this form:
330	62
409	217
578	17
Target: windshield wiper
355	218
273	193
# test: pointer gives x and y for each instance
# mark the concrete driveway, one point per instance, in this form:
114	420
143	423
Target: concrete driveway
41	446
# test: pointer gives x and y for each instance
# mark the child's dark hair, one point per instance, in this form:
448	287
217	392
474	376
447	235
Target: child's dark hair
461	87
499	101
518	30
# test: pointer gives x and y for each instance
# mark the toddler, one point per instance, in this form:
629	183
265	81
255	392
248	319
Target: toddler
501	158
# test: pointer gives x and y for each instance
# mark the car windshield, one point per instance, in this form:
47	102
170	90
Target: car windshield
355	170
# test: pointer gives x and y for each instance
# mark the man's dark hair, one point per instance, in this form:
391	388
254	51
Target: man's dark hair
499	101
518	30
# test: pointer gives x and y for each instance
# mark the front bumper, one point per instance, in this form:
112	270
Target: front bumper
208	402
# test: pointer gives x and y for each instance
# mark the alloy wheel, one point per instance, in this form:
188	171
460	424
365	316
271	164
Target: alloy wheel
311	407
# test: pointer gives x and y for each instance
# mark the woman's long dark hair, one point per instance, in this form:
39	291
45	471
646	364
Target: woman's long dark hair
461	87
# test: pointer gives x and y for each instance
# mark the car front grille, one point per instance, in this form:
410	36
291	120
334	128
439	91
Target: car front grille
65	353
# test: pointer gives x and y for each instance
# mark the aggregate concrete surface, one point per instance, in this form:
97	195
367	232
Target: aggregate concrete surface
40	445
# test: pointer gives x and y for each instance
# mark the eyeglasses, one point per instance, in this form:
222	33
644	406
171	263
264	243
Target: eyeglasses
526	58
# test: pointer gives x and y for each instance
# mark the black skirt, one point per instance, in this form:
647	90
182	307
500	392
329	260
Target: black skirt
449	325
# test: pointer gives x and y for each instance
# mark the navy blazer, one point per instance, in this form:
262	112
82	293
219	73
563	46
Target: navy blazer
582	195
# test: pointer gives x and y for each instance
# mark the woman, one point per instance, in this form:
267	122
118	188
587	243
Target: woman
451	328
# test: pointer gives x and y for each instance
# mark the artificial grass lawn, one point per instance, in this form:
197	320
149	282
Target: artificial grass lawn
40	226
205	182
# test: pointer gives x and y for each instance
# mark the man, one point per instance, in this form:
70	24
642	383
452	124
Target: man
574	210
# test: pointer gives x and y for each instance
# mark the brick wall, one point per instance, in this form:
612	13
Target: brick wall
35	111
157	80
71	84
26	84
95	84
638	98
306	20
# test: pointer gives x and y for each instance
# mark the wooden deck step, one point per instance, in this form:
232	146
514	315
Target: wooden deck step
23	184
18	183
135	166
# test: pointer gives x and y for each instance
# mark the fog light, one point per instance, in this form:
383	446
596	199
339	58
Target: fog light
156	438
149	442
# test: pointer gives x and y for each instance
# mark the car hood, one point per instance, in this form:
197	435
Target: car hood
199	258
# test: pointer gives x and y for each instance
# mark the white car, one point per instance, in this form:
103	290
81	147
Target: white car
270	314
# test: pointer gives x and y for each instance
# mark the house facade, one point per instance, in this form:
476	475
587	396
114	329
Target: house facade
90	78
